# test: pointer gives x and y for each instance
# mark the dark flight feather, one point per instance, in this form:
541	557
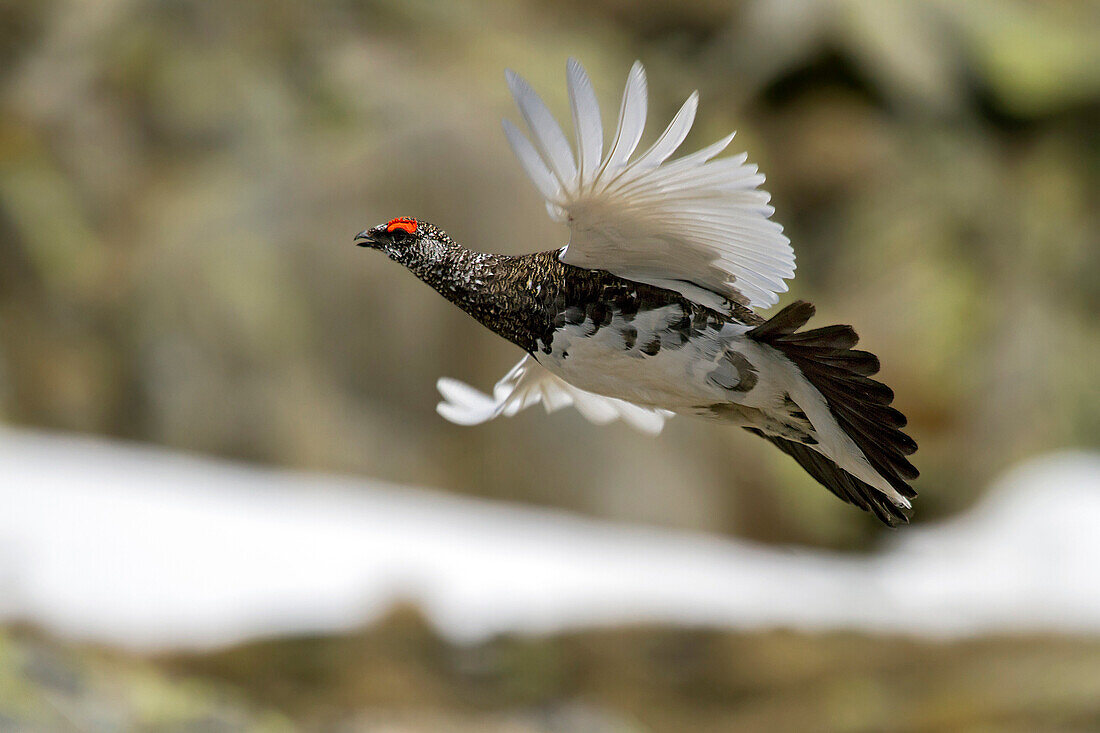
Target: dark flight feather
861	405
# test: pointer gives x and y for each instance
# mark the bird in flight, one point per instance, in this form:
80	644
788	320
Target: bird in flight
650	310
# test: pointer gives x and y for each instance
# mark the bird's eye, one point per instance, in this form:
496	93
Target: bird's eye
401	230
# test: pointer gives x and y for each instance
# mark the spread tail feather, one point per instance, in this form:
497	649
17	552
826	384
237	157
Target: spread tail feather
843	484
860	405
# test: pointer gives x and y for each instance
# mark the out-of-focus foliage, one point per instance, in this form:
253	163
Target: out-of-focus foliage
180	181
46	685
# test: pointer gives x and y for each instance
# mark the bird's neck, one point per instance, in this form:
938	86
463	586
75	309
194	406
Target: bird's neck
508	295
458	274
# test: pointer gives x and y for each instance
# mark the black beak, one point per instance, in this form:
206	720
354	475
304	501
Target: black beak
364	239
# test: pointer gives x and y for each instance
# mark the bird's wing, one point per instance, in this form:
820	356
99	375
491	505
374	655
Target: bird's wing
527	384
694	224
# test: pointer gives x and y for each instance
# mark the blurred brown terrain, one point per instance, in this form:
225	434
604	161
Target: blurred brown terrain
399	677
180	182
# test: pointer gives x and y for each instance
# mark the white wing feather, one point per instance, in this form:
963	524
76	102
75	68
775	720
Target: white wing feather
527	384
587	123
632	114
549	140
696	225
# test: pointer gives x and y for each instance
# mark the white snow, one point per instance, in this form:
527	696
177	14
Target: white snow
146	548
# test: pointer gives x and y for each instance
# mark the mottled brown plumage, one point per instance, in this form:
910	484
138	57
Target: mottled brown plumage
525	298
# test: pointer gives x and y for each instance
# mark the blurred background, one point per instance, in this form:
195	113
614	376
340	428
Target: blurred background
180	182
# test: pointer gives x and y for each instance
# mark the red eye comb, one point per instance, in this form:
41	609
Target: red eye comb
404	224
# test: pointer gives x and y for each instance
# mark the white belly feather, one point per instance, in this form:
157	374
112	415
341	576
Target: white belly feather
712	374
642	360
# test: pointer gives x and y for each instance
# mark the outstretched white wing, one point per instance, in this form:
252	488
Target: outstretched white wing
528	384
696	225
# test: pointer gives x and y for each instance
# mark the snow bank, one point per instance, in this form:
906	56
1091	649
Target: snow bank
146	548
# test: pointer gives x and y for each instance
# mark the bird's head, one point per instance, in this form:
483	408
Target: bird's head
408	241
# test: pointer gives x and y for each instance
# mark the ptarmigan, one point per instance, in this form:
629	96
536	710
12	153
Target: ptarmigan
648	311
